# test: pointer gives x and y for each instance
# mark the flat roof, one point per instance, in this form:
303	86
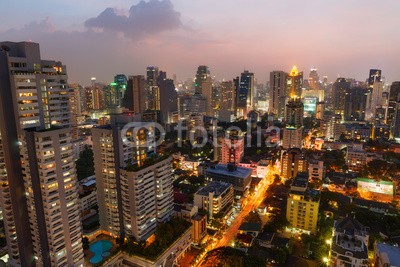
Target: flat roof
222	169
300	181
391	254
214	187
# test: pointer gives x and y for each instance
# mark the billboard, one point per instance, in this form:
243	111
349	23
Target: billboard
310	104
378	187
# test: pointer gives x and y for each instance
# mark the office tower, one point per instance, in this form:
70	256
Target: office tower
277	93
355	103
38	196
135	95
202	76
294	83
292	163
339	89
294	112
114	92
168	98
128	170
152	73
313	79
349	244
245	95
302	206
227	96
75	108
375	75
394	98
230	148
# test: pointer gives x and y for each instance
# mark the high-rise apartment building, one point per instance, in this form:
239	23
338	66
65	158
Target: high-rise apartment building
302	206
134	185
135	95
168	98
39	185
227	101
277	93
292	163
294	112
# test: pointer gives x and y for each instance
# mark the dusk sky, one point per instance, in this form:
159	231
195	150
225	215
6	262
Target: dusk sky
103	38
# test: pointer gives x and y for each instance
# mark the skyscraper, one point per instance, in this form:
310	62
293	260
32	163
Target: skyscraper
355	103
39	184
202	76
152	88
375	75
393	116
313	79
245	96
294	112
227	101
277	93
294	83
114	92
339	95
168	98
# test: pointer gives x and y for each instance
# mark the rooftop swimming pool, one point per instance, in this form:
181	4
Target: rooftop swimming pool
101	250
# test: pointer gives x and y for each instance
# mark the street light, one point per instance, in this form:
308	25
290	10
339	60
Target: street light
328	241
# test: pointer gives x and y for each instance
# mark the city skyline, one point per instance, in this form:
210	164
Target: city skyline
339	40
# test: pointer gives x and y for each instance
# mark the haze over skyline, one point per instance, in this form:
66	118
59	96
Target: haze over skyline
103	38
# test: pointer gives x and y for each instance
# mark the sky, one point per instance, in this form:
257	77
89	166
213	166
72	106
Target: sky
103	38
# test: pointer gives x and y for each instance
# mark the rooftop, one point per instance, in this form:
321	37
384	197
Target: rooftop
349	225
222	169
388	254
214	187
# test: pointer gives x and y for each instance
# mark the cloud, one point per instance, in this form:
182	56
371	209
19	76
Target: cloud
145	18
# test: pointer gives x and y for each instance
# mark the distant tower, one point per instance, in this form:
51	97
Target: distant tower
294	83
375	75
277	93
246	93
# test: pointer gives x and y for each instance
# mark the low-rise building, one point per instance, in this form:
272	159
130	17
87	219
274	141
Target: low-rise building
215	197
316	170
199	221
349	245
239	177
